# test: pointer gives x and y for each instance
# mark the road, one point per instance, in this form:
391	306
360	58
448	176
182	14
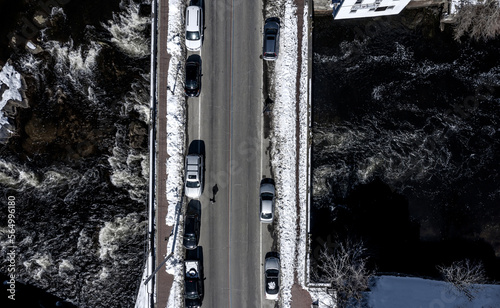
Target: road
228	119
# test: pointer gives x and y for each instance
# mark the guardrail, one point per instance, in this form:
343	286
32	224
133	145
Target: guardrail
152	155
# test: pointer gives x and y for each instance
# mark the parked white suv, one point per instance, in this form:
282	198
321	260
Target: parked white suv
194	176
194	27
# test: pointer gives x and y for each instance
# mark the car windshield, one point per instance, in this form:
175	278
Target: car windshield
267	196
192	295
193	184
272	273
266	215
192	35
270	38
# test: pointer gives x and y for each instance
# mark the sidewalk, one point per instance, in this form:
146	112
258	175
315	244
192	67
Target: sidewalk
163	279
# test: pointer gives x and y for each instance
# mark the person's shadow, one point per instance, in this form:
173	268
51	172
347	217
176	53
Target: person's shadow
215	189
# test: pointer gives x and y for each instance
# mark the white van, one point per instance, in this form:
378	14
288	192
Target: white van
194	28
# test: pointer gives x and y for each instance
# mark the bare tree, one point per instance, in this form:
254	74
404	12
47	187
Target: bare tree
463	275
480	20
344	266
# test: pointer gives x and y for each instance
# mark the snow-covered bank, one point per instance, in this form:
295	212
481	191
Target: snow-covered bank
142	300
10	90
176	127
284	148
289	143
176	110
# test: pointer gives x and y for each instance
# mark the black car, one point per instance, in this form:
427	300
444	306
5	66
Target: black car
193	289
191	230
193	278
271	39
192	86
272	275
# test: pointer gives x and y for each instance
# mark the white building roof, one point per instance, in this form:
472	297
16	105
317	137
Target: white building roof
367	8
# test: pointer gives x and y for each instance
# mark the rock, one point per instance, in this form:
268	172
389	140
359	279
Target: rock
40	132
138	135
40	19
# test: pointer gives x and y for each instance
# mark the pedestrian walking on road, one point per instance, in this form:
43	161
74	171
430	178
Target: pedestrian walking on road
215	189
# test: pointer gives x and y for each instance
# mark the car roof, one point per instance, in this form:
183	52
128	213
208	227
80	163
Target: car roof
192	18
190	223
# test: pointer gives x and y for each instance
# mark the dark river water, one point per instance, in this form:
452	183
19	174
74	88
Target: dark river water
406	145
77	165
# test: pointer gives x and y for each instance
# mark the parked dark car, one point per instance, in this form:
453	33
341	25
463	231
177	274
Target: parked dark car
192	86
272	276
193	278
193	293
271	39
191	230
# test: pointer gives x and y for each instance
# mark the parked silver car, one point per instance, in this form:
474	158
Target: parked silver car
194	176
267	195
271	39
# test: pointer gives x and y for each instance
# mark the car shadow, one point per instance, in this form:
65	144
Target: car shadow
272	254
197	147
267	181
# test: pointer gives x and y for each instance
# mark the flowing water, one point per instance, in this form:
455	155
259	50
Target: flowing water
406	141
77	164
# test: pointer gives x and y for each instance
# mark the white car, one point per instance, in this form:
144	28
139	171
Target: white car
194	27
272	276
194	176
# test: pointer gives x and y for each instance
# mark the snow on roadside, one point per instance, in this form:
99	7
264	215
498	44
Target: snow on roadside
11	80
284	148
176	110
303	152
142	300
321	298
176	127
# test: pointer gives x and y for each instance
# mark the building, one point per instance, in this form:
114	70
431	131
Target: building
343	9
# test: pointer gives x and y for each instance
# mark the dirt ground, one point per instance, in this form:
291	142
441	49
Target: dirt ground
300	297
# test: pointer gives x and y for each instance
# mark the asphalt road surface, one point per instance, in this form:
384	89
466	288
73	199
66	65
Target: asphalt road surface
226	124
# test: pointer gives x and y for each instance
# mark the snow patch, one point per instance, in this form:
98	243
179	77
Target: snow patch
176	113
284	148
10	84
